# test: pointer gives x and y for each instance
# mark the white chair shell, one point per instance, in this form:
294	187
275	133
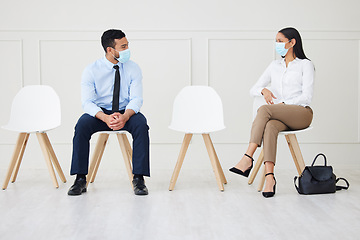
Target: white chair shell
35	108
197	109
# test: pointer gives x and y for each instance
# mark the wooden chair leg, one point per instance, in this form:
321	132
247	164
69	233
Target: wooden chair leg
222	175
98	162
262	180
180	160
53	157
128	147
122	138
96	157
18	162
209	148
16	154
295	152
47	158
256	168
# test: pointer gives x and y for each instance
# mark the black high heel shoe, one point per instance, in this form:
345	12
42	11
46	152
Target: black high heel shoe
247	171
270	194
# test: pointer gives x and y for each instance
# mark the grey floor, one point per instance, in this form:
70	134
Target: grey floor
32	208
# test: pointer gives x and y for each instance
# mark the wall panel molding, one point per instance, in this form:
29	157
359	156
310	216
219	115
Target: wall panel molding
36	51
11	81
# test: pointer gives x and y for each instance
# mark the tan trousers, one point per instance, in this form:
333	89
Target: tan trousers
271	119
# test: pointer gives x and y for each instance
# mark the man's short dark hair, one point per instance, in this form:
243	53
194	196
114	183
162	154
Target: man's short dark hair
108	37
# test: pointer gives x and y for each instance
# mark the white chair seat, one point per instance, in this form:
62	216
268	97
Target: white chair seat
296	131
113	132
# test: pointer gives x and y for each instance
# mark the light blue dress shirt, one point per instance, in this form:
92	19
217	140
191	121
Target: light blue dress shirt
97	86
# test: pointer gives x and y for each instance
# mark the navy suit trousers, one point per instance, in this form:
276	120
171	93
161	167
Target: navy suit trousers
88	125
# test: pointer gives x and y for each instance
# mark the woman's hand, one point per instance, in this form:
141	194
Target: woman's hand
268	96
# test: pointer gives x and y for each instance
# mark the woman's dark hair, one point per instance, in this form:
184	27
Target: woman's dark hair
108	37
292	33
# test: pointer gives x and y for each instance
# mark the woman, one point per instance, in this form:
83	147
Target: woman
288	97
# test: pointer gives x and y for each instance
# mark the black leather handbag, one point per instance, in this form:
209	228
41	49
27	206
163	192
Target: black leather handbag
318	179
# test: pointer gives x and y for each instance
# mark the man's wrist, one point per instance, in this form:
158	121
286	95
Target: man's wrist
128	114
101	115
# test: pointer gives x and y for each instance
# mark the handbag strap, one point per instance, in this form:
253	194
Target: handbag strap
297	188
320	154
338	188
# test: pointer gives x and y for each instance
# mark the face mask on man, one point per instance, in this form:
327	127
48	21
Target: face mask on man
124	56
280	48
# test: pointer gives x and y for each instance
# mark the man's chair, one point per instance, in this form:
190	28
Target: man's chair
198	110
293	144
35	109
99	150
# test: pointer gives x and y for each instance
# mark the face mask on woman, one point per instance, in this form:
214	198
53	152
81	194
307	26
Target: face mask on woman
280	48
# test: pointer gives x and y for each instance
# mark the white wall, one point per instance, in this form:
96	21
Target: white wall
224	44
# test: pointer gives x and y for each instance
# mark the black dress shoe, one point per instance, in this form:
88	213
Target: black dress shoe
139	186
78	188
270	194
246	172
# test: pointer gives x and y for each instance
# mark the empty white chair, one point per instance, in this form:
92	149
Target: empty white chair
35	109
293	144
198	110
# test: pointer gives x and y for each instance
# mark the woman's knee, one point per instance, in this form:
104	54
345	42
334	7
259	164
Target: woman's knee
273	127
263	112
263	109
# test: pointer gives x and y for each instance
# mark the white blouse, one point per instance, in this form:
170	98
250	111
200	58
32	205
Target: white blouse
291	85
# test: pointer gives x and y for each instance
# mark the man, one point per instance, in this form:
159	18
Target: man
111	95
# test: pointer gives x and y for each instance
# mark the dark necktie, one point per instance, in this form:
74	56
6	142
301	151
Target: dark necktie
115	103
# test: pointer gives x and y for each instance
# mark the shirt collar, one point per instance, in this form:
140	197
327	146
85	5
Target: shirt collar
109	64
282	61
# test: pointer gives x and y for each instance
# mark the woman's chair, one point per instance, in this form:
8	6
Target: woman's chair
198	110
292	142
35	109
99	150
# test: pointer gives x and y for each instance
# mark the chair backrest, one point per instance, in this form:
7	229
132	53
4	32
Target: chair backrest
197	109
35	108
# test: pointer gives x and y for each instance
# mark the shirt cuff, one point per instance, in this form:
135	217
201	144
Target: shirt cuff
94	111
132	107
